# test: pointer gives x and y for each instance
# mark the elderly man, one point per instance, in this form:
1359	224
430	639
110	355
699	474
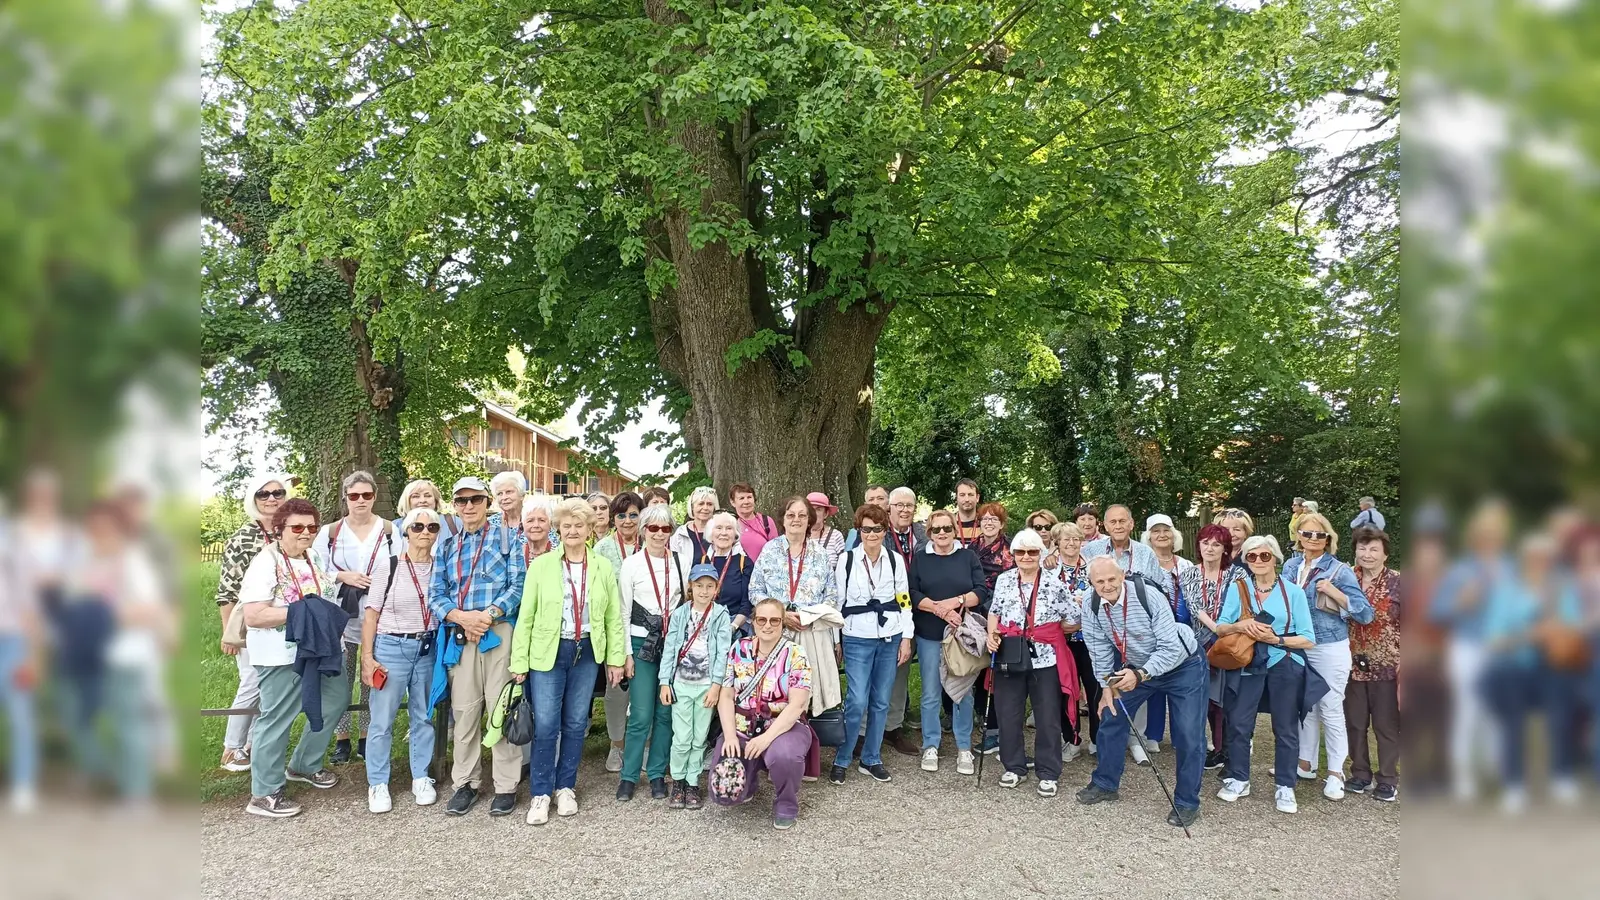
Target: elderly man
508	488
1120	546
1140	653
476	591
967	497
877	495
1369	517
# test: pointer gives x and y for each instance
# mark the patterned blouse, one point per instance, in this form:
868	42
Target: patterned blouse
1204	594
790	672
1055	604
1076	580
994	557
1379	641
811	577
241	549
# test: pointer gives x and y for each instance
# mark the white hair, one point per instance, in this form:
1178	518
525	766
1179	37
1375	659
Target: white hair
516	478
1309	506
703	492
404	506
545	502
659	514
903	491
1257	541
1027	539
727	517
416	515
1107	559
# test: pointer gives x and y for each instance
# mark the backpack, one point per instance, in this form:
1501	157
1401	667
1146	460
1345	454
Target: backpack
1144	601
849	565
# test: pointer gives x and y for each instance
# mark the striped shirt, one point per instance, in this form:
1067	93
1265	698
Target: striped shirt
1156	645
395	598
495	580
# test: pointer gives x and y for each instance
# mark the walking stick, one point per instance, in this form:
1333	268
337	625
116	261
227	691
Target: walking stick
1116	696
983	723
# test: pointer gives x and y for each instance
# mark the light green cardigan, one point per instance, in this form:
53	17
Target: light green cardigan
533	644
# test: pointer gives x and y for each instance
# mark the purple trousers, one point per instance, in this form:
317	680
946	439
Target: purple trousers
784	762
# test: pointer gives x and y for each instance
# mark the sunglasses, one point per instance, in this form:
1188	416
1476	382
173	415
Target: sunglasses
1027	553
1234	512
871	529
1314	535
941	529
768	621
630	516
278	494
1258	556
299	529
473	500
420	527
359	495
658	529
1039	525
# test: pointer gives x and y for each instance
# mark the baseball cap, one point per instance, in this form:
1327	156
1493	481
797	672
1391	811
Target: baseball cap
469	483
1158	519
702	570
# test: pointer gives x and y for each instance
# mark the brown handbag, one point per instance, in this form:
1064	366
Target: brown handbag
1565	648
1237	650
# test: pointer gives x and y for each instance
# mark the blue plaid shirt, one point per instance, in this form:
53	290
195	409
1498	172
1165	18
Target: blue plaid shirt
496	580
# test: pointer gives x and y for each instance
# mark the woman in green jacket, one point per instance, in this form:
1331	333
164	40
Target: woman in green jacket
569	625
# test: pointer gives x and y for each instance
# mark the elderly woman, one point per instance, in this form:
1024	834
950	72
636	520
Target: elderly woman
1068	566
831	539
1280	623
734	569
691	540
1373	694
600	502
792	567
621	543
286	573
755	529
653	584
351	546
424	494
537	512
507	489
262	497
1087	517
765	693
1203	586
993	552
655	495
1240	526
874	598
570	625
1040	520
947	584
397	638
1336	600
1025	598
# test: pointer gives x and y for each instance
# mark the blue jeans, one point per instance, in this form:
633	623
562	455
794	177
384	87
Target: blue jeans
562	700
869	665
1184	689
410	679
929	661
19	711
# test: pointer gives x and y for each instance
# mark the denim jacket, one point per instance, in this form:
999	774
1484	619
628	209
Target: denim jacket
1330	627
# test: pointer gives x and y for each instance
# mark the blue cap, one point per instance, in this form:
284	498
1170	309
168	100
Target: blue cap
703	570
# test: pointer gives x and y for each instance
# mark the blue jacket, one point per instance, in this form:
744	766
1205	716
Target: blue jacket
316	626
1331	628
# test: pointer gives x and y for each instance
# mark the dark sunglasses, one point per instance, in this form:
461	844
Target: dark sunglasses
473	500
420	527
1028	553
941	529
630	516
360	495
1314	535
658	529
1258	556
1039	525
299	529
871	529
278	494
1234	512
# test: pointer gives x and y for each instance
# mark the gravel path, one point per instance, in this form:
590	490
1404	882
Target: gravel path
921	831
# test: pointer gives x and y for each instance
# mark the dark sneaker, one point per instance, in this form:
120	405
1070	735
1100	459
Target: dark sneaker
273	806
836	774
902	742
691	797
783	823
1182	818
503	804
676	801
1095	794
1216	759
625	791
658	789
991	744
1357	785
361	748
341	752
461	801
321	779
878	772
1388	793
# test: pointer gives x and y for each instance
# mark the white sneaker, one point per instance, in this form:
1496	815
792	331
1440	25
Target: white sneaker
930	760
1149	745
964	762
539	810
614	760
1069	752
1139	756
566	802
1285	800
1334	789
1093	750
1047	789
378	799
1565	791
24	800
1233	789
1010	779
422	789
1514	801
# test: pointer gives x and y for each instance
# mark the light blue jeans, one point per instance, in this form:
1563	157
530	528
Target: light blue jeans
410	679
929	659
19	713
869	667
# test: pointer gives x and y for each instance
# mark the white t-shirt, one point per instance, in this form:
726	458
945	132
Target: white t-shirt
267	581
354	554
635	582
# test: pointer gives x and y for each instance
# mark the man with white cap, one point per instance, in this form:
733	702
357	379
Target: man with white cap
476	591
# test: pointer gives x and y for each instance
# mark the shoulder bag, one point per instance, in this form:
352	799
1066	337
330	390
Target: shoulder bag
1237	650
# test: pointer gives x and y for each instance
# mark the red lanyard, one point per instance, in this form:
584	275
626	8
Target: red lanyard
422	599
264	532
624	551
665	571
724	573
795	573
1205	595
1071	583
1122	645
333	547
693	635
965	538
1288	610
905	548
294	580
1027	618
466	577
580	595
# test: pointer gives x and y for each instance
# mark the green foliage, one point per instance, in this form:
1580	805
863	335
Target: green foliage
220	517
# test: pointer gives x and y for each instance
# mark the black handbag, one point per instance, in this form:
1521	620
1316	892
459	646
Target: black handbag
1015	656
829	727
519	719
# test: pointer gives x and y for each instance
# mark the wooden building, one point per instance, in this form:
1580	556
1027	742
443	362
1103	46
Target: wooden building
501	441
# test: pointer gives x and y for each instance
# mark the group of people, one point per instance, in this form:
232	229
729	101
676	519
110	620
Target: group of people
717	644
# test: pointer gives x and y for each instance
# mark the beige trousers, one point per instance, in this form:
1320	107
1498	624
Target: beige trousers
475	685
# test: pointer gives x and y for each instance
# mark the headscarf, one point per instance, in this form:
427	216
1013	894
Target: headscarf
256	484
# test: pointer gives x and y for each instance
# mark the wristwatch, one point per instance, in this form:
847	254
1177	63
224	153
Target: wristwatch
494	613
1142	675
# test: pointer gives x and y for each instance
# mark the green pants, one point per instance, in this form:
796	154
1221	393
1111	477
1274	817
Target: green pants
647	719
280	703
691	722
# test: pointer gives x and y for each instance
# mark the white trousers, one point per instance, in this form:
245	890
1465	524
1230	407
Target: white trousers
1332	662
1472	729
248	694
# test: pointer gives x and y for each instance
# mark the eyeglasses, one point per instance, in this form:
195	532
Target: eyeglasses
1314	535
420	527
1258	556
768	621
299	529
278	494
1234	512
359	495
1025	553
902	505
473	500
630	516
989	520
871	529
941	529
658	529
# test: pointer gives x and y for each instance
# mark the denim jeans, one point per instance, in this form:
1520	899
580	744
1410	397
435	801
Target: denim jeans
19	711
562	699
930	661
130	693
411	679
1514	692
1184	690
869	665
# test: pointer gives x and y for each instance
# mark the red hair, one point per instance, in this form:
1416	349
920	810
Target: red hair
1221	535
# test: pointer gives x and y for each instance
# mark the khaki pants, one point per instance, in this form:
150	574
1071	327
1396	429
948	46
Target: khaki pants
475	685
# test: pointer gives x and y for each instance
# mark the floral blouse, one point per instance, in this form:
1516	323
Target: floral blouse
791	672
1378	641
1076	582
811	576
994	557
1055	604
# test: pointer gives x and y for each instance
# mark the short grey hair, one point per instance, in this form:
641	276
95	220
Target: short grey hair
903	491
1256	542
359	476
1310	506
729	518
659	514
539	501
417	515
703	492
1027	539
1107	559
515	478
602	495
1367	499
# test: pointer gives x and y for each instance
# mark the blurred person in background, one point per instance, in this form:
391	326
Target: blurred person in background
600	502
1336	600
1530	614
1460	608
507	489
621	543
1374	690
1296	510
1426	688
1160	536
351	545
153	541
831	538
424	494
21	648
691	540
262	497
1204	585
286	572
